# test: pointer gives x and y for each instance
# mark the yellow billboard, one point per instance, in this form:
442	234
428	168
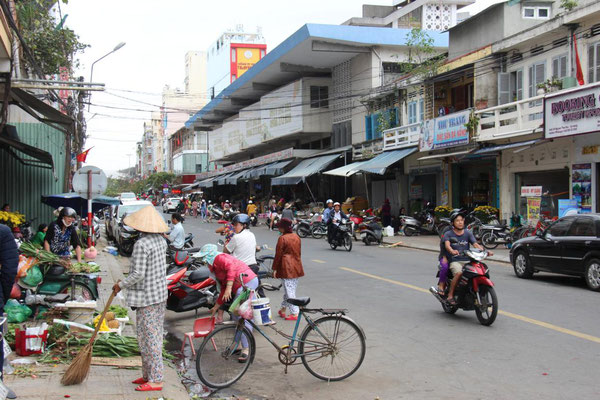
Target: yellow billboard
246	58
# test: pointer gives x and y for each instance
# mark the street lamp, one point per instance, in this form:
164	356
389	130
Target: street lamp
117	47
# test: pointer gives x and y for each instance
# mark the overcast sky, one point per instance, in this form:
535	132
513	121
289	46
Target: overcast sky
157	36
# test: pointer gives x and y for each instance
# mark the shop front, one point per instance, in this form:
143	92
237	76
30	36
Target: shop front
474	183
574	115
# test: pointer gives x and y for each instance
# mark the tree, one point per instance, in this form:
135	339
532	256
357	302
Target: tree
423	60
568	5
52	44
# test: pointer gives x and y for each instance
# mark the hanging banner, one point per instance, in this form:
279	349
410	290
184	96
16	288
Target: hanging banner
446	131
581	180
531	191
533	208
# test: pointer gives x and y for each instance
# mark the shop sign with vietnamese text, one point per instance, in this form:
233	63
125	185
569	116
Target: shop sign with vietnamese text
531	191
572	113
446	131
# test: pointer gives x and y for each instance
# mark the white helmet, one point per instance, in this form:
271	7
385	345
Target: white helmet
329	201
249	201
336	204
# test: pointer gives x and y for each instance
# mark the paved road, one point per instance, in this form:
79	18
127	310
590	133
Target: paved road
545	342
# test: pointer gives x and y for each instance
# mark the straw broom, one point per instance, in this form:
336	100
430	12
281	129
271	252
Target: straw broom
80	366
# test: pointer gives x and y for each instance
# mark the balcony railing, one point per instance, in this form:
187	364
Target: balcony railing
366	150
512	119
402	136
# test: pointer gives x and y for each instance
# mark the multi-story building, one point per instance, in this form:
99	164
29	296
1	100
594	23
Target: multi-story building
231	55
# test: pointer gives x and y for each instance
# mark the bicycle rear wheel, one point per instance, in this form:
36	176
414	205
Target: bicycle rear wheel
334	349
217	362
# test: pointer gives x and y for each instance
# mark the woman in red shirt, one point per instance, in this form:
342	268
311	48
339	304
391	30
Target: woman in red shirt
227	270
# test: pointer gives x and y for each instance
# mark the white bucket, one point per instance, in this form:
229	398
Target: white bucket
388	231
261	310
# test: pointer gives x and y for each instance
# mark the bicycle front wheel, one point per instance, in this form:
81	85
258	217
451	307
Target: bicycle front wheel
217	361
333	349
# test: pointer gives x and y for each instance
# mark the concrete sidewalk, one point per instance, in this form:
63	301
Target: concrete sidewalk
432	243
103	382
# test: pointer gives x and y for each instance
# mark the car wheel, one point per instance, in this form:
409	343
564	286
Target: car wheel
522	265
592	274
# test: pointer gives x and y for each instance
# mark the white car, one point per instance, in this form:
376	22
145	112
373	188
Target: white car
171	204
127	197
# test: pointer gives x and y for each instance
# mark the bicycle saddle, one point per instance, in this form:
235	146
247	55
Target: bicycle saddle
300	301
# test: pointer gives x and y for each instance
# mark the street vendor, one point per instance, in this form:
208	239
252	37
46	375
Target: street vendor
62	234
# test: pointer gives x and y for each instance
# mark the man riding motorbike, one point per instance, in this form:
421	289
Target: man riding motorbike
251	208
457	261
335	218
326	216
176	237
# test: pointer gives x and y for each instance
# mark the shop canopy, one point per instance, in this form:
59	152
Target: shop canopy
346	170
9	141
233	179
380	164
494	149
275	168
306	168
220	180
207	182
444	155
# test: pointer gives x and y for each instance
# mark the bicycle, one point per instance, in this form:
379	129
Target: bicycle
331	347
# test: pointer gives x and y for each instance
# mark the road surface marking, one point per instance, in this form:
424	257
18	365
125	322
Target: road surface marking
505	313
319	261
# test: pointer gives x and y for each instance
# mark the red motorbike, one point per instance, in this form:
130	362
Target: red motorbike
474	291
189	285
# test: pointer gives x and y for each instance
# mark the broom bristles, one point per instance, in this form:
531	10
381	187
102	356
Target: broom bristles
79	368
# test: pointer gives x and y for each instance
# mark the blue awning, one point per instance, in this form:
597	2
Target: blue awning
379	164
494	149
306	168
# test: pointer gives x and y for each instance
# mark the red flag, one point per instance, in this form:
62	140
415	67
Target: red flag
579	70
81	157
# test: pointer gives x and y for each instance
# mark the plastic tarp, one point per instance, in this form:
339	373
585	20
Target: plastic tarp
346	170
206	183
275	168
221	178
494	149
306	168
379	164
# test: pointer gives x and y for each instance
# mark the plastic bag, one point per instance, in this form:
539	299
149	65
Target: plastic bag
24	264
245	309
239	300
16	312
34	276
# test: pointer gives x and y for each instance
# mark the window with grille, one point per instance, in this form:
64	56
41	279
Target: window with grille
319	97
559	66
594	63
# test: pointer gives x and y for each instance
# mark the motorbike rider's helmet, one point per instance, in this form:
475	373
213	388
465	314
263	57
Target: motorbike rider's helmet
337	203
243	219
67	212
456	214
249	201
329	201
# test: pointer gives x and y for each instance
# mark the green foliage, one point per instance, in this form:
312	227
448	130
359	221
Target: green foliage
386	119
422	58
115	186
52	44
568	5
472	124
486	213
157	180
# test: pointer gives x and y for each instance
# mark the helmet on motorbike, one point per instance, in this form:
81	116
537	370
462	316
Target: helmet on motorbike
337	203
243	219
329	201
67	212
456	214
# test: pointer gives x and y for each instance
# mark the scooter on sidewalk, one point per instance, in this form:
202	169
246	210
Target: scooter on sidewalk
57	281
474	291
371	232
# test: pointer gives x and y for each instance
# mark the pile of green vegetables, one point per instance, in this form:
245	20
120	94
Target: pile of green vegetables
43	256
83	268
120	312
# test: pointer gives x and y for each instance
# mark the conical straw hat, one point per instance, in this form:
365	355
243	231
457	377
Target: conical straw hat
146	220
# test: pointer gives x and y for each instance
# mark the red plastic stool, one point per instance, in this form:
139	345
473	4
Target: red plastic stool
202	327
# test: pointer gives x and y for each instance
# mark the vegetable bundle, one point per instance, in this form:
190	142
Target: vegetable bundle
83	268
120	312
42	256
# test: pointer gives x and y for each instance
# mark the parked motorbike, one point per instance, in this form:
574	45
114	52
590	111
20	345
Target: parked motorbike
57	280
128	237
253	219
423	222
371	232
95	227
342	237
493	235
189	289
474	291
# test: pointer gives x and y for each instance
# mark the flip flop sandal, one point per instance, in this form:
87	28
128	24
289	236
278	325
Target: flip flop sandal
452	302
147	388
139	381
243	357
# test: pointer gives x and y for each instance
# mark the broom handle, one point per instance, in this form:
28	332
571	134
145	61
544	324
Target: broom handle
99	324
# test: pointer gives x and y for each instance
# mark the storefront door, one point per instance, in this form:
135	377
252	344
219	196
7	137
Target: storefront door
474	184
555	186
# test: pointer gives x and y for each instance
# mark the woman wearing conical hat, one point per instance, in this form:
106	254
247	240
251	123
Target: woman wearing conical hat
146	292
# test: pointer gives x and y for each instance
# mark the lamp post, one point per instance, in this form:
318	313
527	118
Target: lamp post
117	47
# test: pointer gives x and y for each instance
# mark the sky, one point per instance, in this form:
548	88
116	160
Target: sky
157	36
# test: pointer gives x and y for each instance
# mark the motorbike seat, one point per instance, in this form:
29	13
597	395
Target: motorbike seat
199	275
300	301
56	270
193	249
181	257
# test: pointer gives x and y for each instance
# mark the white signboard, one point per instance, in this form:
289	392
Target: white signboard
531	191
251	125
232	137
572	113
216	144
281	111
81	180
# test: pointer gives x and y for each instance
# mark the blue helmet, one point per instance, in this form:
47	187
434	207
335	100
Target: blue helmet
243	219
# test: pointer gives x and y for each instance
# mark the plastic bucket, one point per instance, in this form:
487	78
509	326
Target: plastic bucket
261	310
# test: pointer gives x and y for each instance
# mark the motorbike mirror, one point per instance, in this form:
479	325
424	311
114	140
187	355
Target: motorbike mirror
220	242
265	247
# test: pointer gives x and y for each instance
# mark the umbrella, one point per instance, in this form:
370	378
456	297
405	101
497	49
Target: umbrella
78	203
